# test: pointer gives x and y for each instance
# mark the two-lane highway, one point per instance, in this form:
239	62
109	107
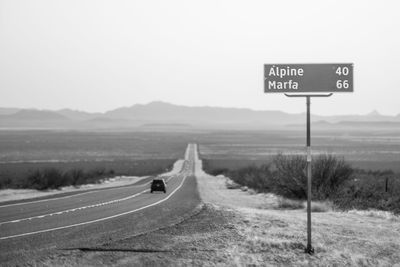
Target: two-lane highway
20	220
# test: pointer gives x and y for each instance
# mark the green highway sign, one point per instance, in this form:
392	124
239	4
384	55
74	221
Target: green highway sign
308	78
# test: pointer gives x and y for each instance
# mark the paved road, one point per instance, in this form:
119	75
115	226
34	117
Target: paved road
108	213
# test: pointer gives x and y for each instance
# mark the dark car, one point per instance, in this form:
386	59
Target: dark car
158	185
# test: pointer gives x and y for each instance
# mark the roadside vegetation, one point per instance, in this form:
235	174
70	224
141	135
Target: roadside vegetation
43	176
334	180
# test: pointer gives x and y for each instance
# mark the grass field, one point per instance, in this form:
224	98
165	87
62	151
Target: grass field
36	146
142	153
365	150
33	146
93	154
237	163
234	155
14	175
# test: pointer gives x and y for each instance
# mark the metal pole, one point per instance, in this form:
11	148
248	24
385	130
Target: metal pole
309	249
386	184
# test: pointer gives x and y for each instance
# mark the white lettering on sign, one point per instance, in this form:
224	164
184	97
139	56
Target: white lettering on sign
283	72
342	84
283	85
308	78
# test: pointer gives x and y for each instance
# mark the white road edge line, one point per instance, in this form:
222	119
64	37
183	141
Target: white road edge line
82	207
69	196
74	209
84	193
98	220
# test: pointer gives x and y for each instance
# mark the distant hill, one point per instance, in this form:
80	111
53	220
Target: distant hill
78	115
373	116
351	125
34	119
161	114
8	111
168	113
32	114
165	125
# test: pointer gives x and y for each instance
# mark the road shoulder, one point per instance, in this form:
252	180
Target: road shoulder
277	237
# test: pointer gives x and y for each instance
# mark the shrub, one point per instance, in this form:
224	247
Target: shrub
368	190
290	179
333	179
45	179
328	174
257	178
47	175
219	171
76	176
5	182
51	178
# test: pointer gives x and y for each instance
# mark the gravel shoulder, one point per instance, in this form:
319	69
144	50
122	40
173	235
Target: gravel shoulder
278	237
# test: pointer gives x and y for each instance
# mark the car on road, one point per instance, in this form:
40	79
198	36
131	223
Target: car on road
158	184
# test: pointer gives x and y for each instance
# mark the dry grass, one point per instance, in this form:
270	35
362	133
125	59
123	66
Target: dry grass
377	214
316	206
320	206
289	204
276	237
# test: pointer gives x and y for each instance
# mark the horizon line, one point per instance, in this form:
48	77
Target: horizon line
374	111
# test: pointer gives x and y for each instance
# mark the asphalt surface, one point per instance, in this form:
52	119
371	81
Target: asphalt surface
32	229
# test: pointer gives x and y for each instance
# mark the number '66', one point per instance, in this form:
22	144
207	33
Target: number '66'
342	84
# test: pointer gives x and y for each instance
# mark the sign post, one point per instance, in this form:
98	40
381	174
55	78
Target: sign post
308	80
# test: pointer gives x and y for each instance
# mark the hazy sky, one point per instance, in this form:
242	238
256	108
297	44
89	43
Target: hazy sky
98	55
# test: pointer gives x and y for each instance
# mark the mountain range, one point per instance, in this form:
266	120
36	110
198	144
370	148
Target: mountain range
165	115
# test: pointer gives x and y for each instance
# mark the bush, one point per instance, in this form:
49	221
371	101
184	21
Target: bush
257	178
328	174
50	178
75	176
45	179
50	175
5	182
286	176
219	171
368	190
290	179
333	179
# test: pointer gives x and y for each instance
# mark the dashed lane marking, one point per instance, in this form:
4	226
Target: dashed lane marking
101	219
69	196
78	208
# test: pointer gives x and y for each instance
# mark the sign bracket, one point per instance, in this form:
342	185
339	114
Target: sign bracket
309	95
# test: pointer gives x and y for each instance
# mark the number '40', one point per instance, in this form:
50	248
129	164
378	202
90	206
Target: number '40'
342	71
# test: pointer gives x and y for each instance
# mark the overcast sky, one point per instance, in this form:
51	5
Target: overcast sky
99	55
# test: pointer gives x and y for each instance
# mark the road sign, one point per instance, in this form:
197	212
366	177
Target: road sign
308	78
